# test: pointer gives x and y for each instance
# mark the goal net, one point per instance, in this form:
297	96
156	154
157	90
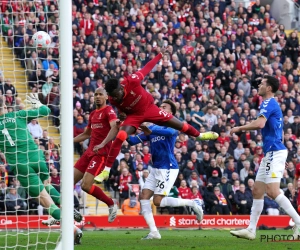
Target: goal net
25	69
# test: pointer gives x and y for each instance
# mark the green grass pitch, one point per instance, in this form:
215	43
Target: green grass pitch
171	239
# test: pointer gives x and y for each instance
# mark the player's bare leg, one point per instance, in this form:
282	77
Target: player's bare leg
89	187
189	130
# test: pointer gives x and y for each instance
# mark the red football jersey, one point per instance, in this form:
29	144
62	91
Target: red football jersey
136	98
297	171
185	193
99	124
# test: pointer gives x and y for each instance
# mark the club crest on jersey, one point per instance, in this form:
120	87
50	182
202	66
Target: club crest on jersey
132	93
100	116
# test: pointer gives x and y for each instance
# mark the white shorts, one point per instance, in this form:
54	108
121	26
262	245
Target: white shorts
160	181
272	166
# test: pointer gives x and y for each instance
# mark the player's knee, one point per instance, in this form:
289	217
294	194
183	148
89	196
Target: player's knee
257	194
157	200
85	186
122	135
272	193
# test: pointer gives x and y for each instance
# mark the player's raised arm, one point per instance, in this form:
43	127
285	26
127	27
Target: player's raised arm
38	109
149	66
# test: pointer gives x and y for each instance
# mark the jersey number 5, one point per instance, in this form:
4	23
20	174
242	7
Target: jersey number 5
7	135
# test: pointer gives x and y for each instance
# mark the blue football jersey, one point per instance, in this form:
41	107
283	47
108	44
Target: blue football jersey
272	132
162	142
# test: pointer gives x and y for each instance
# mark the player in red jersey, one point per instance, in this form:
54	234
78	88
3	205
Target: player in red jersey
132	99
90	163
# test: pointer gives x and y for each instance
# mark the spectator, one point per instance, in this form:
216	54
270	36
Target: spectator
243	199
244	171
195	177
215	180
226	188
131	206
218	203
143	178
35	129
2	195
14	203
238	151
285	180
124	179
78	129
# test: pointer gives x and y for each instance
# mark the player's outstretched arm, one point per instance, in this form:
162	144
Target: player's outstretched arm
38	109
83	136
259	123
136	139
149	66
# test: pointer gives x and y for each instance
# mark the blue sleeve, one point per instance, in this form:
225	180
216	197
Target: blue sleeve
157	130
266	109
136	139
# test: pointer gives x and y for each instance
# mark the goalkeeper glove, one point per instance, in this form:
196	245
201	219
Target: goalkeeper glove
33	99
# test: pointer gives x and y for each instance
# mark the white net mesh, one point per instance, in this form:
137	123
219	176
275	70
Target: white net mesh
24	69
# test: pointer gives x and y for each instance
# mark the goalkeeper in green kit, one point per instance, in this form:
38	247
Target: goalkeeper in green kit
27	161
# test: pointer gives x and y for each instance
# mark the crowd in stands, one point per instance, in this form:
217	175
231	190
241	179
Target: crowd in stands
218	51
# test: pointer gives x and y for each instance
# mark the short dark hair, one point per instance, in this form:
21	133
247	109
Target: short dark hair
273	82
111	85
172	104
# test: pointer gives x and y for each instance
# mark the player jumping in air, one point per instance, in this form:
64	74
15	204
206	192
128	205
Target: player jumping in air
138	105
90	164
27	161
163	173
271	168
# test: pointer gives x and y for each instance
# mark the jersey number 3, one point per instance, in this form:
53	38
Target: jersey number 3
8	137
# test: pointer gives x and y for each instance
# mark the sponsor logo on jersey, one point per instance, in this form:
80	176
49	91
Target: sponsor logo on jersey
136	101
97	125
8	120
158	138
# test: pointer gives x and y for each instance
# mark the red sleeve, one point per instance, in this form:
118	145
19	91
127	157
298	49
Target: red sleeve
148	67
111	114
135	78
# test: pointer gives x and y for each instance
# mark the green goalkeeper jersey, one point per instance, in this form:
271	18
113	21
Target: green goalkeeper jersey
15	140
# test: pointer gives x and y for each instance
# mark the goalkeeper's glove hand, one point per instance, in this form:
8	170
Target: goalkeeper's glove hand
33	99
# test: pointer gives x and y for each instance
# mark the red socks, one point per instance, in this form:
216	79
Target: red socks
189	130
100	195
113	152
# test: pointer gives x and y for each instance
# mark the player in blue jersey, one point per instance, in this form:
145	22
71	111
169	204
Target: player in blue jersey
164	172
271	169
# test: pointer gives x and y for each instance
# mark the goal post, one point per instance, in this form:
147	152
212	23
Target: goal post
19	20
66	67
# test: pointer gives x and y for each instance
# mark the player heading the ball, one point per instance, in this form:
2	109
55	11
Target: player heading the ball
132	99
